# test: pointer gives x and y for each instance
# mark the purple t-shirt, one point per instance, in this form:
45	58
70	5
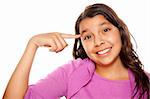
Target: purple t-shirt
78	80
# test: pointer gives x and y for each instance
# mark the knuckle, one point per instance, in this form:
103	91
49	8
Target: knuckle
54	48
66	44
56	33
58	50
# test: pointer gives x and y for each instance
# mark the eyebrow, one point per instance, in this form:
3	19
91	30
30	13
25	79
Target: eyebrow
101	24
82	32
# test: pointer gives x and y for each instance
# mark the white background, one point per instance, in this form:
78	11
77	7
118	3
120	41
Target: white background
21	19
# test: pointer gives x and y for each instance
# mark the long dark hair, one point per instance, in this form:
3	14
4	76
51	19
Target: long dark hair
127	54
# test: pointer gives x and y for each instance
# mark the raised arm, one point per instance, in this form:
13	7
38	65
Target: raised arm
18	83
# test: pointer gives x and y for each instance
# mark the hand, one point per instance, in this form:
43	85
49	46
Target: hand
54	41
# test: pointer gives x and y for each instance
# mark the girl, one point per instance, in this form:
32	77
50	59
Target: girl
105	65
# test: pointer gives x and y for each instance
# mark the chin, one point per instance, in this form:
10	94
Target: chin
105	62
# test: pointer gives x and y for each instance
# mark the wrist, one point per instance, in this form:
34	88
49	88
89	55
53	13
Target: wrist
32	44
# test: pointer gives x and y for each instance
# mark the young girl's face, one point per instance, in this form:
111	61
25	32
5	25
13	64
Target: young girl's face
100	39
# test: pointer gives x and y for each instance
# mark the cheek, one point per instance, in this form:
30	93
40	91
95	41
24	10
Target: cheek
87	47
118	39
115	38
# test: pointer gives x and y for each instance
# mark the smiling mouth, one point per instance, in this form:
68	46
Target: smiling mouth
104	52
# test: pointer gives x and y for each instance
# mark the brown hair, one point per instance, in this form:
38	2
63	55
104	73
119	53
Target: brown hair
127	54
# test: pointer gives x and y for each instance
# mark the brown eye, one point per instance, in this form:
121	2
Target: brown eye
87	37
106	30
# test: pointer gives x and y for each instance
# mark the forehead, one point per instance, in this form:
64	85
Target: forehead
98	20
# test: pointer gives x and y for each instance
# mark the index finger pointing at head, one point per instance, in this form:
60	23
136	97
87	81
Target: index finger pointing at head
69	36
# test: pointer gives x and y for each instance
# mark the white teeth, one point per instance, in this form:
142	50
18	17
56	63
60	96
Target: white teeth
104	51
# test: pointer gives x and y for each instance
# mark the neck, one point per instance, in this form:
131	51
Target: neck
113	71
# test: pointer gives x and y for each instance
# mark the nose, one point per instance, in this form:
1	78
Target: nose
98	41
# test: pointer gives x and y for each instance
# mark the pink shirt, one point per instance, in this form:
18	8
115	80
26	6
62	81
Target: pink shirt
78	80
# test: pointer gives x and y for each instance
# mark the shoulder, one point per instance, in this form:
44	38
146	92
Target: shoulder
79	72
73	65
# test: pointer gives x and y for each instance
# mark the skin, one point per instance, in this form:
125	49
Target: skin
97	35
18	83
108	65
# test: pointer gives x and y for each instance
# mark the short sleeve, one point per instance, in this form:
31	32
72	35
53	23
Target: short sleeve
53	86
